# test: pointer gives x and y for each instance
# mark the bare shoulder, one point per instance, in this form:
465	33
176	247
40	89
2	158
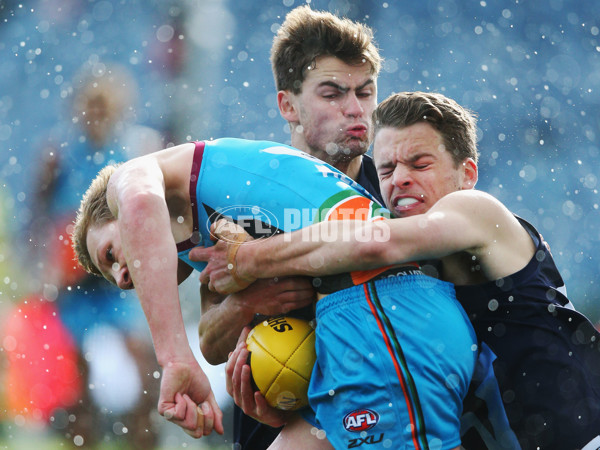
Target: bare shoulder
477	206
505	246
471	198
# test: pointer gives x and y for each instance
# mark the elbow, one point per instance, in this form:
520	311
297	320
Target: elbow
135	210
210	355
138	200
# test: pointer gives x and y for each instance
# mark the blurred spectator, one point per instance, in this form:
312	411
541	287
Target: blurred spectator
116	358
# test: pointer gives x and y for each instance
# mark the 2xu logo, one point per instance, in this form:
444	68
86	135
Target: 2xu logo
360	420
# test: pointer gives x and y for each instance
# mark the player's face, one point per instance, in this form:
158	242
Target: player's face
104	246
333	111
415	170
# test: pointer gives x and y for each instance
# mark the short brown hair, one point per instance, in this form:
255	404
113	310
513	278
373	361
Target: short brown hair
306	35
92	211
456	124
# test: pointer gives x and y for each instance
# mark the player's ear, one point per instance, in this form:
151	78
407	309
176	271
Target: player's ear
287	108
470	173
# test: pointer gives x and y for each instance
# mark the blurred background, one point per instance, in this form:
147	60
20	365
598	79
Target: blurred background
76	360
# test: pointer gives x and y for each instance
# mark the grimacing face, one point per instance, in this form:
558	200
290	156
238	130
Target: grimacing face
104	246
415	170
333	111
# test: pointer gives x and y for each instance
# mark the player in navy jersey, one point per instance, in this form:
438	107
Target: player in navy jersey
546	359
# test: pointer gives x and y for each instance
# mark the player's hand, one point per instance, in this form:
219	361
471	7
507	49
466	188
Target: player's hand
240	388
272	297
187	400
220	274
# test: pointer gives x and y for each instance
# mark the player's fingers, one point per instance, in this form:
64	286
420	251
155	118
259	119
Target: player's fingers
200	420
200	253
194	423
204	277
229	366
176	412
266	413
235	382
231	381
209	418
218	417
217	414
243	336
215	228
246	391
198	431
294	299
222	228
262	407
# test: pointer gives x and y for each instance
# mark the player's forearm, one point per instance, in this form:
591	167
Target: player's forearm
152	261
159	297
220	327
321	249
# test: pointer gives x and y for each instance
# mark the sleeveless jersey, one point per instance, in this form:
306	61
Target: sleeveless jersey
248	433
547	355
228	175
268	188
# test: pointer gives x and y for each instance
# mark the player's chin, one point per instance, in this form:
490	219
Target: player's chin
355	147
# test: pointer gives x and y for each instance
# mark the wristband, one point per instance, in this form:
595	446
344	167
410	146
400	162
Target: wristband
235	242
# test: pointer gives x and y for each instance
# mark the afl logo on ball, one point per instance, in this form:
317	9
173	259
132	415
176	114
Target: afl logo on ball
360	420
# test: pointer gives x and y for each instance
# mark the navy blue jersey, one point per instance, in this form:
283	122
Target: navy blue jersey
367	178
547	355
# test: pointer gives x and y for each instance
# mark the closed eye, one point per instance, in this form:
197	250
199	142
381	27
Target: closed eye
366	93
109	254
331	95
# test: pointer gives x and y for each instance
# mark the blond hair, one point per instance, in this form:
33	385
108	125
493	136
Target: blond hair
93	210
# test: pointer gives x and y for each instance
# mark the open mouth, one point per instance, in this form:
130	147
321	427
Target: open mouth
406	201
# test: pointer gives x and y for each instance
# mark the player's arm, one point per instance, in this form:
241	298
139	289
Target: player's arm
220	324
224	317
465	221
136	197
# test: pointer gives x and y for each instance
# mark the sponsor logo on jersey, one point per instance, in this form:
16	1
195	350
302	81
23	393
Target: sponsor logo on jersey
360	420
349	205
367	440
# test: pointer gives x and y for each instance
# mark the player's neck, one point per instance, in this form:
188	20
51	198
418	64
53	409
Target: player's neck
350	167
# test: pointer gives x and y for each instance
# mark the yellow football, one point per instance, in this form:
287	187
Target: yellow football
282	356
